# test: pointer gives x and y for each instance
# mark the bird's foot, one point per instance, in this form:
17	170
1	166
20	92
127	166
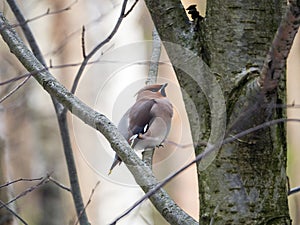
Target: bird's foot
160	145
131	140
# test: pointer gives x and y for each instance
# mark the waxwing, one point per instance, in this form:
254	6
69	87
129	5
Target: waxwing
147	123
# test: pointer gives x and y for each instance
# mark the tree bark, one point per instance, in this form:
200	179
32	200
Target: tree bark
246	182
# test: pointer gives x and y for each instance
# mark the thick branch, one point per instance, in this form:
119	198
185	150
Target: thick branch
275	62
152	79
141	172
30	38
172	22
156	51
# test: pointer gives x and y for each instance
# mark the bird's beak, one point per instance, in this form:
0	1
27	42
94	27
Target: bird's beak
162	89
164	86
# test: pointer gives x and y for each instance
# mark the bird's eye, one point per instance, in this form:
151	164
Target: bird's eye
154	90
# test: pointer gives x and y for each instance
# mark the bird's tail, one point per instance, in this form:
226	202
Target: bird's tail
116	161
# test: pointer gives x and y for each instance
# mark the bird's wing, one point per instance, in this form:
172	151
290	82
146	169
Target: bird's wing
163	108
124	124
140	115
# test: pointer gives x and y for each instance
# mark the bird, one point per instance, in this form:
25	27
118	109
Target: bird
147	123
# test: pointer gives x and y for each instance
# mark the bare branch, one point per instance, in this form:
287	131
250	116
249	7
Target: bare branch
43	180
15	79
68	65
47	13
12	212
15	89
59	184
276	59
60	113
294	190
131	8
83	42
29	36
28	190
152	79
89	201
184	146
69	36
93	52
20	180
156	51
28	75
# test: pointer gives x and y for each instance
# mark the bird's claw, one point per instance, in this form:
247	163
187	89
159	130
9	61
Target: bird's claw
161	145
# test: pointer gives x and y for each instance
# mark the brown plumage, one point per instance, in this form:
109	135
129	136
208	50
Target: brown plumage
147	123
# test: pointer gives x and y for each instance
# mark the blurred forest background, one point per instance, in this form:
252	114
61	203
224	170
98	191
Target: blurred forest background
32	144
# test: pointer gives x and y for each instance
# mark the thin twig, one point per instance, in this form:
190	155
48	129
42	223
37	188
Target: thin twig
28	190
47	13
15	89
89	201
294	190
99	46
20	180
198	158
12	212
183	146
59	184
131	8
288	183
58	49
14	79
83	42
51	66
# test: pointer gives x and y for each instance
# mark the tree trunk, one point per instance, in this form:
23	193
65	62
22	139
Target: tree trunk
246	181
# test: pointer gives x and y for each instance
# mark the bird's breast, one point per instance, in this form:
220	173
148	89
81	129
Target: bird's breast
156	134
